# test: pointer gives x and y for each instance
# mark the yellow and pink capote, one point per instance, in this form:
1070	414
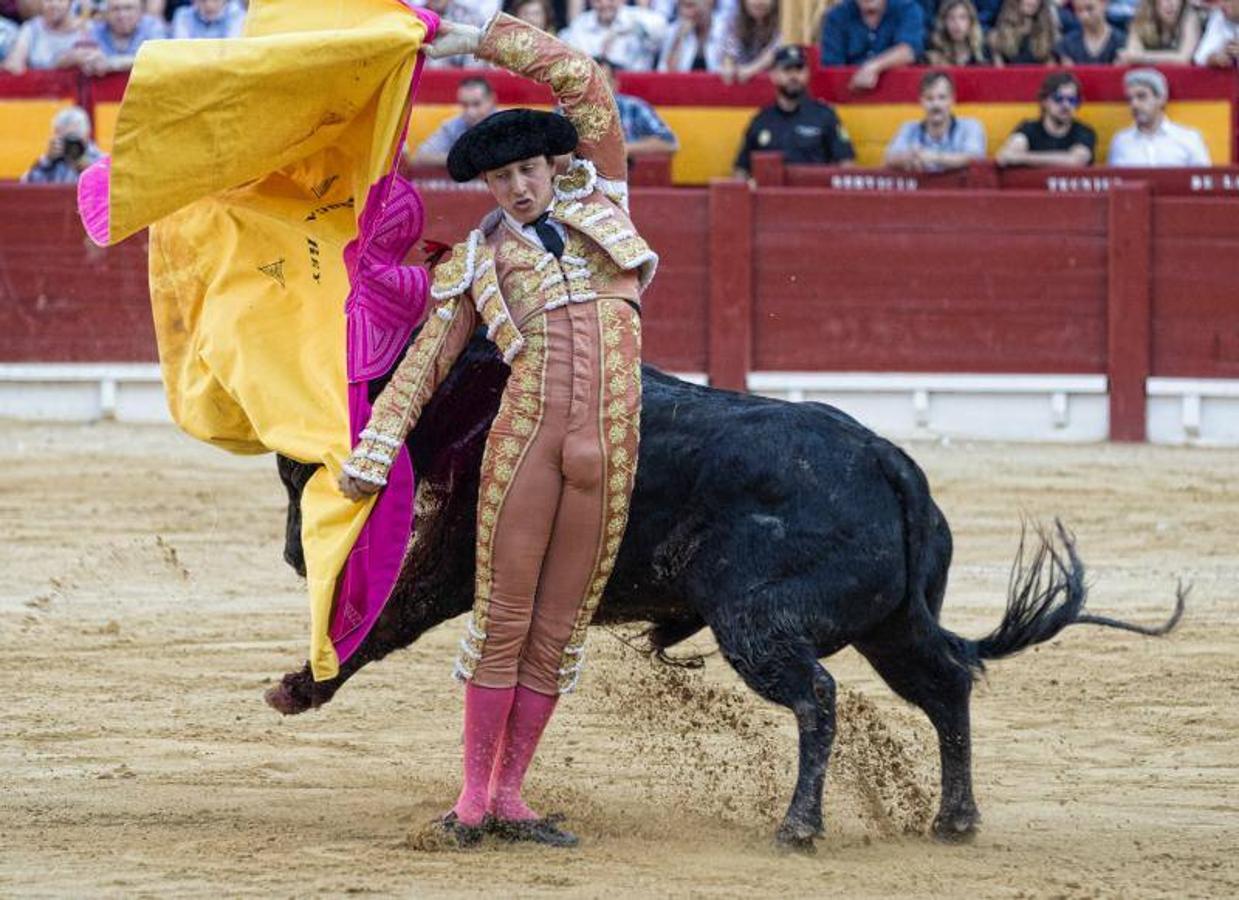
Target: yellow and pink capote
265	167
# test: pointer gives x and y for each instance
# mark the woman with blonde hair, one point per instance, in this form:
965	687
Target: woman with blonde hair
1163	31
752	40
1025	33
46	41
957	39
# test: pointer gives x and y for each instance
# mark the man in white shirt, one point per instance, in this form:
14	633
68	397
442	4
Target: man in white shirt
629	36
1219	47
1154	141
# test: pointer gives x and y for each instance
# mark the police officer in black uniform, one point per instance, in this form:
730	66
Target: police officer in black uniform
803	129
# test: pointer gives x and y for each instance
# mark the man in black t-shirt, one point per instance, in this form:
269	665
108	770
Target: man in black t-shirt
803	129
1056	139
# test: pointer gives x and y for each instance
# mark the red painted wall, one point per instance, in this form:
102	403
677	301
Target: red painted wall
929	282
1195	288
61	298
1127	283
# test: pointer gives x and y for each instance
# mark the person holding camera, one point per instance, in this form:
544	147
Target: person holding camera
69	152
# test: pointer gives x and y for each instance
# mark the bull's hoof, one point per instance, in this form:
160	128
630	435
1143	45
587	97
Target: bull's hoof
956	828
796	838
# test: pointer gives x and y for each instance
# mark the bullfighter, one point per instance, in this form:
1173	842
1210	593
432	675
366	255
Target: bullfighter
555	274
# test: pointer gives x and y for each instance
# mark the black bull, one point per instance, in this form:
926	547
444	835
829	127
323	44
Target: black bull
789	529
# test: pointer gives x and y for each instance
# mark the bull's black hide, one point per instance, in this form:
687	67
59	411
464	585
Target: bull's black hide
789	529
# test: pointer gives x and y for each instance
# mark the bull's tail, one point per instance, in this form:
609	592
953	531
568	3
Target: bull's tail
1046	593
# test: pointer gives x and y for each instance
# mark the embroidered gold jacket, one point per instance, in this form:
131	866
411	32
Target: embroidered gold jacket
500	277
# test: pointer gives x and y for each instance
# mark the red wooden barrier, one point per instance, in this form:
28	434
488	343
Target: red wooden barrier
1194	288
769	170
61	298
1219	181
929	282
1127	313
731	284
1128	283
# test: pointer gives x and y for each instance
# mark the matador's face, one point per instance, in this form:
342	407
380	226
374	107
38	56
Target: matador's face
523	188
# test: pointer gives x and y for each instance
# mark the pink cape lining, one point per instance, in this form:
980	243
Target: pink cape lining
386	300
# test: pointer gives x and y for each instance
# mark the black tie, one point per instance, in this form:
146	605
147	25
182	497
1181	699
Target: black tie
549	236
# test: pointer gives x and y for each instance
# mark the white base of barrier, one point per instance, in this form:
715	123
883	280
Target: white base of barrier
83	392
1057	408
1061	408
1193	411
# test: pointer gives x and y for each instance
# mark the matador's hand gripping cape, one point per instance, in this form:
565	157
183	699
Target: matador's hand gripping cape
266	168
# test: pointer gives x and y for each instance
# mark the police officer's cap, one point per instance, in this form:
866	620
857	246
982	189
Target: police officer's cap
789	56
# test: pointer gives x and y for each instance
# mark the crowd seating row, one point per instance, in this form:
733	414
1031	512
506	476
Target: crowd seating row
707	115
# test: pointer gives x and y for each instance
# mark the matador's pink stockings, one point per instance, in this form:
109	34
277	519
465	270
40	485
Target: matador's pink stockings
486	716
530	713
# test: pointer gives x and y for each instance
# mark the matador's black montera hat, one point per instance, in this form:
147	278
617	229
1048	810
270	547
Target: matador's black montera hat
507	136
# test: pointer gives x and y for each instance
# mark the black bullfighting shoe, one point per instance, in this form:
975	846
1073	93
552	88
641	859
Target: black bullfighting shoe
537	831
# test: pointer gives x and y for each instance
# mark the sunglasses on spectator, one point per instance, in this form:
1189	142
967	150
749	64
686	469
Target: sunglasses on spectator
1072	100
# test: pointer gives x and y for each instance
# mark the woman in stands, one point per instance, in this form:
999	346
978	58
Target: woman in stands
47	40
1095	43
1025	33
1163	31
538	13
695	40
957	38
752	40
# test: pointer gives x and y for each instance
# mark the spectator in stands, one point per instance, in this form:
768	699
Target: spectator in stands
8	37
987	12
477	101
695	40
1153	140
1095	42
1057	138
1163	31
875	35
69	151
751	40
629	36
941	140
209	19
803	129
1025	33
1119	13
1220	45
644	131
116	37
957	39
538	13
47	40
19	10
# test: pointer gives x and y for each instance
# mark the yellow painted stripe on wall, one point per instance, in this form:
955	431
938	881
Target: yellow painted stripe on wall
25	127
709	135
105	124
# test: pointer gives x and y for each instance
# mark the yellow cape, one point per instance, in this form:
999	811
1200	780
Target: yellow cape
252	158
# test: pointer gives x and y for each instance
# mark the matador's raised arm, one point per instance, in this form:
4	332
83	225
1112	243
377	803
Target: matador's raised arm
579	85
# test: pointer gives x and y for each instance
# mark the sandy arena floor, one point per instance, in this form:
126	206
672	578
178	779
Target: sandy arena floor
145	607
